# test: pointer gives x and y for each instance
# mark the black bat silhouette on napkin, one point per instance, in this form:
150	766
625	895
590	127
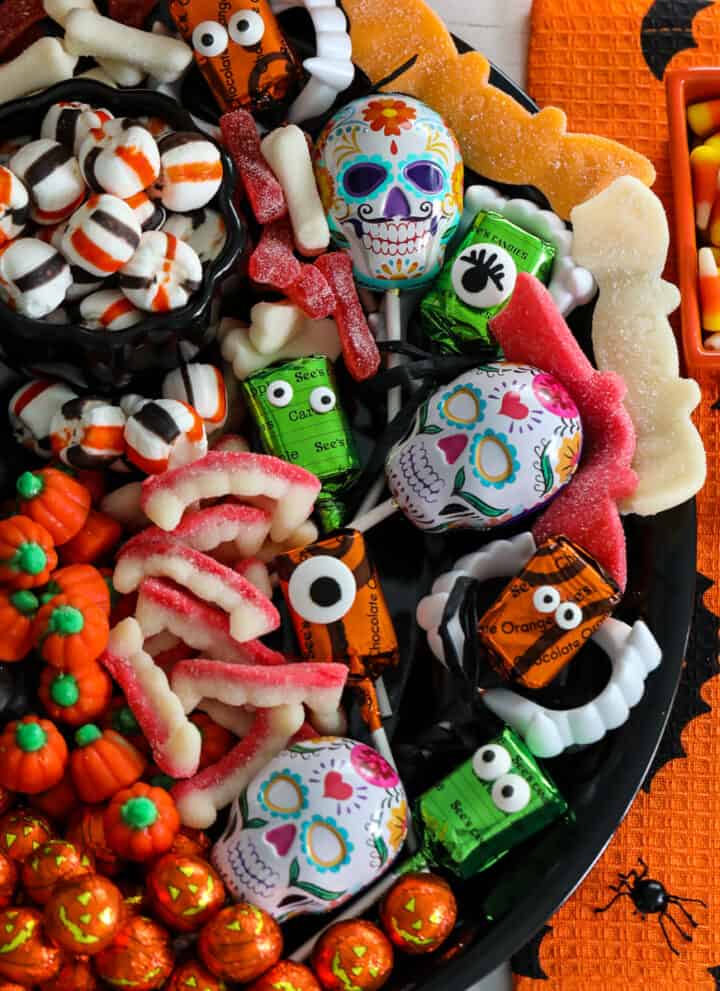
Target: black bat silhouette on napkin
667	29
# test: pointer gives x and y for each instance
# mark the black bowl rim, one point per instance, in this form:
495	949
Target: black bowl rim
156	104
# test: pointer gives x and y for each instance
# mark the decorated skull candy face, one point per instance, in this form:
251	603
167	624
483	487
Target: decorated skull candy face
390	175
321	821
498	442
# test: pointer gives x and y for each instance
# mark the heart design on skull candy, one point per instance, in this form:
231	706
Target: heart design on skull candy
513	407
335	787
281	837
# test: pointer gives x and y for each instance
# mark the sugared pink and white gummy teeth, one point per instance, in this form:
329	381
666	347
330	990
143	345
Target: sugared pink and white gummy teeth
96	198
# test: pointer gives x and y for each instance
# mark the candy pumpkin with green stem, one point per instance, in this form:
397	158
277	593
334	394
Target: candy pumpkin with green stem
33	755
75	697
17	612
78	579
103	763
27	553
141	822
70	632
55	501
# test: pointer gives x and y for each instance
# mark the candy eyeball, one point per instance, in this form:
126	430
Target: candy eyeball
209	39
546	598
322	589
279	393
511	793
34	277
246	27
490	762
323	399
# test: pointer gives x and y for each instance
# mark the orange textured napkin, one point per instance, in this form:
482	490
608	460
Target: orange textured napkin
602	61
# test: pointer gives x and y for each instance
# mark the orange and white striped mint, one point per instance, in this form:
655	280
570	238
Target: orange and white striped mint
162	275
108	309
14	206
190	171
52	177
120	157
102	235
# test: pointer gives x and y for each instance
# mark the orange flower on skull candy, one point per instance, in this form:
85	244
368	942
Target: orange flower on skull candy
326	186
389	116
397	825
568	456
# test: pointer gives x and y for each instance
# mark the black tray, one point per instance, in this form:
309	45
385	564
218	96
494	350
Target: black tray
502	908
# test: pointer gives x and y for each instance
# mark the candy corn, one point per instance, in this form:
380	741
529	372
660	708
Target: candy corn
704	118
704	165
709	290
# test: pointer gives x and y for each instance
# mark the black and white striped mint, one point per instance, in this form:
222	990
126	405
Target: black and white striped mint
162	275
201	386
191	171
121	158
52	177
101	236
69	122
14	206
204	230
34	277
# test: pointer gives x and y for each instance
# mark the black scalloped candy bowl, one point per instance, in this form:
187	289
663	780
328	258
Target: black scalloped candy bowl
114	360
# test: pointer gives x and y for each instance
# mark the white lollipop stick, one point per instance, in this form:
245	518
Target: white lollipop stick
366	521
120	72
393	332
41	65
89	33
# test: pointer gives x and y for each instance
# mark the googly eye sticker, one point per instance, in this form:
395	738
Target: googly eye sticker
483	276
546	598
568	615
322	589
246	27
510	793
279	393
491	762
323	399
209	38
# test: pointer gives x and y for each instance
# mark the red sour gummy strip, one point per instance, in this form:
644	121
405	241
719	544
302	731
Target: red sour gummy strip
16	16
358	344
134	13
263	191
312	294
273	262
531	330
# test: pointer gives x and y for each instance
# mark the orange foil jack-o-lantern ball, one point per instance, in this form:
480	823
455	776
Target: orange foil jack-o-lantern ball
139	958
51	863
185	892
192	976
286	975
21	832
27	955
75	974
191	842
87	832
11	986
353	955
240	943
83	914
418	913
9	874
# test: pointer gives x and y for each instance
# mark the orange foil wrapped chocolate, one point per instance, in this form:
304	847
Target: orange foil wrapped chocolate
139	958
21	832
240	943
546	613
184	891
418	913
240	50
51	863
9	874
27	955
83	914
353	954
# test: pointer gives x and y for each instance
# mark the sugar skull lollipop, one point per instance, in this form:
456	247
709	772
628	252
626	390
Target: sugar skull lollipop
390	175
497	443
320	821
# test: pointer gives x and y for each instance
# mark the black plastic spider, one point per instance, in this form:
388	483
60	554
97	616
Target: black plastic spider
650	897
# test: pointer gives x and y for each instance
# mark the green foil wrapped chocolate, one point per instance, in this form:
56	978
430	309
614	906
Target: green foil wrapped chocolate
486	806
296	408
477	280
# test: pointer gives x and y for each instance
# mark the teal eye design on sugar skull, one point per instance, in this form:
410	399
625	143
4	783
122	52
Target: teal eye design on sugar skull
283	795
463	407
494	459
325	845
